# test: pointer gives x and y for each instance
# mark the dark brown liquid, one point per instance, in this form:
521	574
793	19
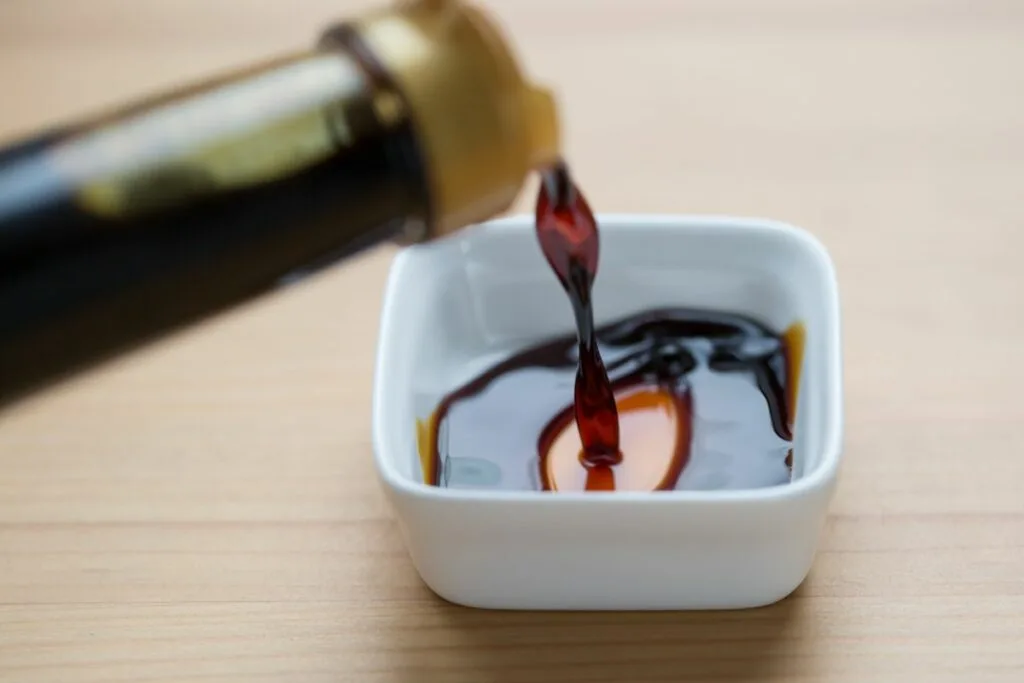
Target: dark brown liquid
705	400
567	232
680	404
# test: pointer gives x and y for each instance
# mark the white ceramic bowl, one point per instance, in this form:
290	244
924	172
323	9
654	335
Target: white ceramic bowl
454	307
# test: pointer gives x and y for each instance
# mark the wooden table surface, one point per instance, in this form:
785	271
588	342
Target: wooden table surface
206	509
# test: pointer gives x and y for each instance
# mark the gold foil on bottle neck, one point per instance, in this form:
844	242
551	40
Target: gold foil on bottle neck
482	126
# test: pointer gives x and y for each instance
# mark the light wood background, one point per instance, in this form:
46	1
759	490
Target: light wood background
206	510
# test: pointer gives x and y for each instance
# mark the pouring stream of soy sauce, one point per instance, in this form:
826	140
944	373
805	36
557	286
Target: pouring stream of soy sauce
568	236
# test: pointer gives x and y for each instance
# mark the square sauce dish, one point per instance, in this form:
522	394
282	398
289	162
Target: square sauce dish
725	477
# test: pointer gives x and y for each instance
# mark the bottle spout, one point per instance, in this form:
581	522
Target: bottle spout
542	116
483	126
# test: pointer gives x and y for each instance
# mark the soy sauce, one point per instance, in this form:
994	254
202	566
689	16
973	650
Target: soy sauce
705	402
664	399
567	232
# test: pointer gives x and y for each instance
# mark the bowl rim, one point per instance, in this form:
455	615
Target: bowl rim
821	476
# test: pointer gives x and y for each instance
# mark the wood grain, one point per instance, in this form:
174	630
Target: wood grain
205	510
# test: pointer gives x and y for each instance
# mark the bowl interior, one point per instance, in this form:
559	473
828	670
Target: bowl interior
456	307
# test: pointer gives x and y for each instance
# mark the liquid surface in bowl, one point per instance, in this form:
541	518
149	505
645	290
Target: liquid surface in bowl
705	400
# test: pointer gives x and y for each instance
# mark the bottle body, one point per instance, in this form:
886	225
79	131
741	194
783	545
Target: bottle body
128	226
133	226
